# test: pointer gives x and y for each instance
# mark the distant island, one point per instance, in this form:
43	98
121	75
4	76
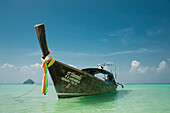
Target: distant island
29	81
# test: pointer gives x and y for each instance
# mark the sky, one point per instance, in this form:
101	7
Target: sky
133	34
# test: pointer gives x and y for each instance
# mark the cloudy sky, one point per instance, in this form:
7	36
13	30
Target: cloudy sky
132	34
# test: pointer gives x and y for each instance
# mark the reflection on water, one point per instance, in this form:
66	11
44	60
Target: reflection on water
87	103
133	99
43	108
35	102
98	99
102	98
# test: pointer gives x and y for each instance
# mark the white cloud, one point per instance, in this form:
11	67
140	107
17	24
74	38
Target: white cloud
153	68
135	67
125	32
135	63
18	74
24	69
149	33
127	52
158	31
73	54
153	32
162	66
36	65
113	34
104	40
143	69
34	53
7	65
30	68
123	41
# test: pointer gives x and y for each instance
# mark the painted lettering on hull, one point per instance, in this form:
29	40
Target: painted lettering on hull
72	79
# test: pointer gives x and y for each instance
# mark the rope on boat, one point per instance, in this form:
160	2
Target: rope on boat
120	84
26	92
45	78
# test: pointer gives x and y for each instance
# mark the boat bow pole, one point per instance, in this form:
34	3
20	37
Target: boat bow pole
40	31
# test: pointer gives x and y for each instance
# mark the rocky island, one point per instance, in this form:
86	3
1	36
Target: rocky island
29	81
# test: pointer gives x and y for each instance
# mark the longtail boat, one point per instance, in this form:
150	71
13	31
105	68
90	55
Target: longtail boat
71	82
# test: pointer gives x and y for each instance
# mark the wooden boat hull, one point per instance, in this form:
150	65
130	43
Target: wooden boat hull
71	82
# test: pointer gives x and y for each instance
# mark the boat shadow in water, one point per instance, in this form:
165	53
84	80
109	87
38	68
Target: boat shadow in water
102	98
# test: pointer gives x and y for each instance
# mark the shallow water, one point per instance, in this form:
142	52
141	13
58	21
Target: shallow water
149	98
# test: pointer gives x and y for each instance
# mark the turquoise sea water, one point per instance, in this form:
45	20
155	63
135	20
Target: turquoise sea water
143	98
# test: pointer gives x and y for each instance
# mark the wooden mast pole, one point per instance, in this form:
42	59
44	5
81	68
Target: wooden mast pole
40	31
